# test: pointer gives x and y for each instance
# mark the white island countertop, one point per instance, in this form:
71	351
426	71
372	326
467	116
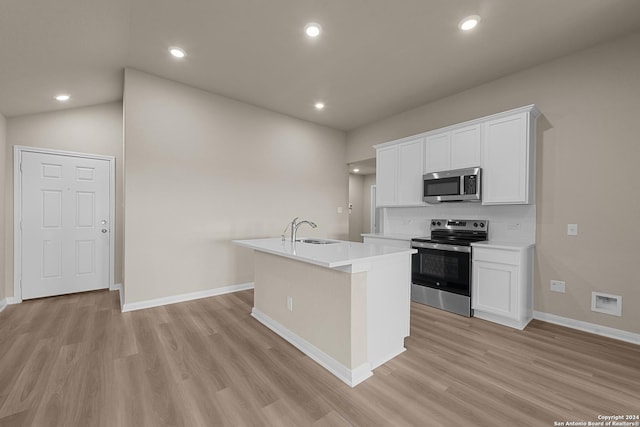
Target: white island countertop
497	244
330	255
390	236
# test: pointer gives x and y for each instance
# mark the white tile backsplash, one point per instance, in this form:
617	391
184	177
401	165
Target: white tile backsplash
508	223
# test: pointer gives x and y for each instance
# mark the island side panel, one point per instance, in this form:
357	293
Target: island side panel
322	304
388	309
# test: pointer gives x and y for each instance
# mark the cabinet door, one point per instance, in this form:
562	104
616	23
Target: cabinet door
505	160
465	147
410	155
438	153
386	178
495	289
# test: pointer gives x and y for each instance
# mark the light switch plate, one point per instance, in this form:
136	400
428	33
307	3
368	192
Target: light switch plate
572	229
339	209
558	286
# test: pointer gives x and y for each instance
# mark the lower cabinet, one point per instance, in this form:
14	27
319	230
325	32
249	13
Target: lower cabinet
502	284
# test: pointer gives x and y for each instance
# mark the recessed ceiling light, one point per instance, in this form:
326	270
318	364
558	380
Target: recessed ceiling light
63	97
312	29
319	105
469	23
177	52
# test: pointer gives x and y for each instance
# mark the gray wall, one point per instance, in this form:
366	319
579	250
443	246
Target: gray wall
588	154
202	170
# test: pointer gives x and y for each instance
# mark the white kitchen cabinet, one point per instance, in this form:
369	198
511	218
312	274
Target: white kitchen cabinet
410	172
502	283
465	147
386	175
502	144
437	152
508	159
399	174
455	149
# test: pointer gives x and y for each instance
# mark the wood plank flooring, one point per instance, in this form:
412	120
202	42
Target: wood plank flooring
78	361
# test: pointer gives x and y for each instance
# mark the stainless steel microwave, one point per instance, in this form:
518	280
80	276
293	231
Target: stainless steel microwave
459	185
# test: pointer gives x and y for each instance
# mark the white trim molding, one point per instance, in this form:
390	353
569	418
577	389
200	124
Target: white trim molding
351	377
17	210
7	301
118	287
502	320
605	331
157	302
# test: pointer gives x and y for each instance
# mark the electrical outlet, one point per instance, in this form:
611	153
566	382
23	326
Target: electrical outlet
339	210
290	303
572	229
513	226
558	286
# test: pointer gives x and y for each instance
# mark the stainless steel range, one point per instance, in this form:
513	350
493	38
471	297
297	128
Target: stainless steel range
441	270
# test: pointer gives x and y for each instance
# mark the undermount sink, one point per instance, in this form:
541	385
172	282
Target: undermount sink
316	241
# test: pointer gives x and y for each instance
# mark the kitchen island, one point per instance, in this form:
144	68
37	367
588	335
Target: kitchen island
344	304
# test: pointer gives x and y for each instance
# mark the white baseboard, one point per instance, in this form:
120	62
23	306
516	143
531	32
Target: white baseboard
501	320
604	331
351	377
118	287
8	301
157	302
121	296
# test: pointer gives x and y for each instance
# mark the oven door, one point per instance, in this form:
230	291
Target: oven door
444	269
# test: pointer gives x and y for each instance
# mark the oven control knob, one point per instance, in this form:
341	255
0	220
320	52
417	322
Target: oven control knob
482	224
475	224
433	223
439	223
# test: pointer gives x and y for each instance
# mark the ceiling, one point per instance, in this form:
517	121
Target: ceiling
374	58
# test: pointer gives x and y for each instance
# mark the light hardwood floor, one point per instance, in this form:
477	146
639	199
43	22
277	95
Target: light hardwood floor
78	361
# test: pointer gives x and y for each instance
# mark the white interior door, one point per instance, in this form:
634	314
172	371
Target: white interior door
65	224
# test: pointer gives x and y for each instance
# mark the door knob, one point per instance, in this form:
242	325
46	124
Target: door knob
104	230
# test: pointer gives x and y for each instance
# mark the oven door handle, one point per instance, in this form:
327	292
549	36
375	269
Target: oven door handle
440	246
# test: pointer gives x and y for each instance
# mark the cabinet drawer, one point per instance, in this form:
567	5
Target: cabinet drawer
501	256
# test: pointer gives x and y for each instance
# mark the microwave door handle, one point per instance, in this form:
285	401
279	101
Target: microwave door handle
463	190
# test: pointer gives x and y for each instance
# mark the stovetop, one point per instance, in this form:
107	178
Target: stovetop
451	241
459	232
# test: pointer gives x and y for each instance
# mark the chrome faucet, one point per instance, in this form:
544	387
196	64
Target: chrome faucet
294	227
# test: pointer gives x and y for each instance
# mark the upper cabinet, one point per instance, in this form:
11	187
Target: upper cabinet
437	153
386	175
508	158
399	173
454	149
503	145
